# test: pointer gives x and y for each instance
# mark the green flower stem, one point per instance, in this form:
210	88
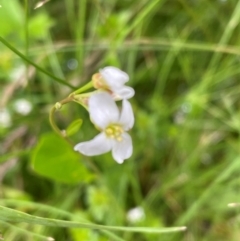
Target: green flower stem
82	89
52	122
70	98
35	65
82	98
56	107
62	134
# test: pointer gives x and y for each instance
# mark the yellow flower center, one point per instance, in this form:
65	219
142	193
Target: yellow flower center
114	131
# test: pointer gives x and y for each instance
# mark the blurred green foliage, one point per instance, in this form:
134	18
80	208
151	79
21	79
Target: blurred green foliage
183	61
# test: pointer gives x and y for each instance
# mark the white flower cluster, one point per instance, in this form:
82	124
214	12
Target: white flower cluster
106	116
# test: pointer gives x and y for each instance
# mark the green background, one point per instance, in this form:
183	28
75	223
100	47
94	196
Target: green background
183	59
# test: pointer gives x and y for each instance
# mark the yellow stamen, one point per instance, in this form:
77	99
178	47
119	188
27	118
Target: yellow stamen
114	131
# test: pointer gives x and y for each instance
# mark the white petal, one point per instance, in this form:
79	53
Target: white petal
123	92
98	145
127	117
114	76
122	149
103	109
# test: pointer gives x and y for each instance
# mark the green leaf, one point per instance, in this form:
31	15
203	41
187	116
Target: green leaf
22	231
54	158
11	215
11	18
39	26
74	127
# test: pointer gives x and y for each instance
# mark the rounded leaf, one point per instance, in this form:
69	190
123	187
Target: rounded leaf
54	158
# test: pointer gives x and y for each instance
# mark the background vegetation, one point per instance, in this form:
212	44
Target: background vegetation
183	60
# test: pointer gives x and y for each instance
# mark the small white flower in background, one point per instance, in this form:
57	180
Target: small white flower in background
23	106
50	239
41	3
113	80
5	118
135	215
113	124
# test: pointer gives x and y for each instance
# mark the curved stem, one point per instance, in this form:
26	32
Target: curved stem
56	107
52	122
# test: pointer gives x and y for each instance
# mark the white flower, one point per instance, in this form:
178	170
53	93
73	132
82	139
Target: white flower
23	106
113	79
135	215
113	124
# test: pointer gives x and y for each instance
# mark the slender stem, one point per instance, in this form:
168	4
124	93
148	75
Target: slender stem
56	107
79	28
26	27
87	86
26	232
66	100
11	215
52	122
33	64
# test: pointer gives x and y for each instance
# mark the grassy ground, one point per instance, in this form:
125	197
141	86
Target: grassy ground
183	61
